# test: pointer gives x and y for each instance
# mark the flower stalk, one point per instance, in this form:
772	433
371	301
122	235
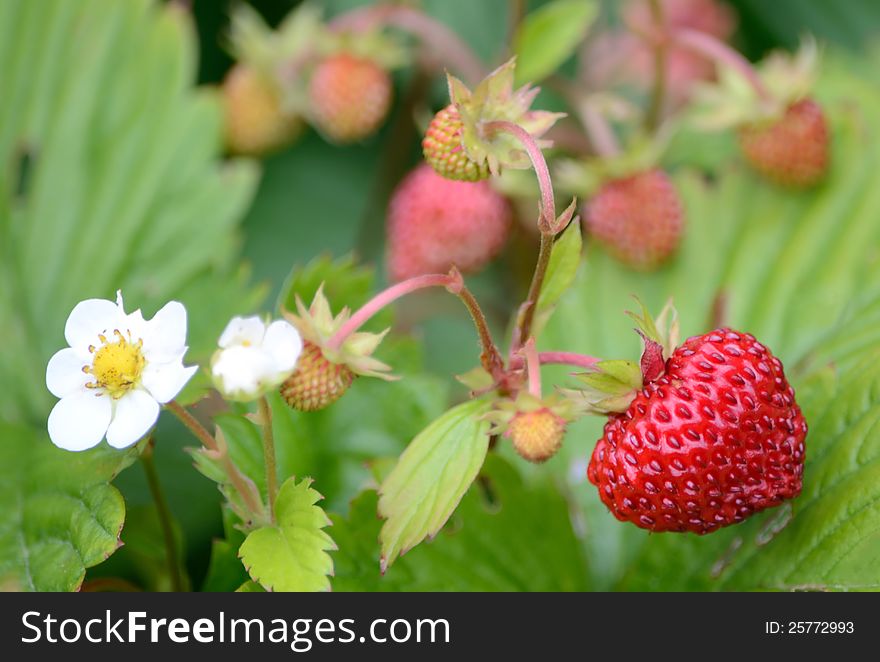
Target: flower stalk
165	517
718	51
269	454
661	51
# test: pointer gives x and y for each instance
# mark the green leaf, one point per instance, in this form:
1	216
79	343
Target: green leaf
292	554
431	477
250	587
549	36
61	515
506	535
345	283
798	270
111	177
565	259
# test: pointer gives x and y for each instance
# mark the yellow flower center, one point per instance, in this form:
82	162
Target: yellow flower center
117	365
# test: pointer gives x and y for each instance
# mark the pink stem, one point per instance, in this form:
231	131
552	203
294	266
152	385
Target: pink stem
567	358
548	203
599	130
384	298
717	50
533	367
434	34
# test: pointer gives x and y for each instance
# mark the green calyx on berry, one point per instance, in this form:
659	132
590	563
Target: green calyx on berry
495	99
733	102
324	372
612	385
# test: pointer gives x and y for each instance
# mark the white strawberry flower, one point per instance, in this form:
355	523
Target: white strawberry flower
117	371
254	357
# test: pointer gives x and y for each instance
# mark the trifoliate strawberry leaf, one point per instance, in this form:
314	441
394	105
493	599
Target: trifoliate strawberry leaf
60	513
540	551
794	269
431	477
550	35
291	555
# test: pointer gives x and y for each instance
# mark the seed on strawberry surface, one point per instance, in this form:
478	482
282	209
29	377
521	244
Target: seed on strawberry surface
317	382
718	437
536	435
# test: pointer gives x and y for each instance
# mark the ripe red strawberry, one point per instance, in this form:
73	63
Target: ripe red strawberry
715	439
793	150
255	123
536	435
639	219
316	383
435	223
444	152
349	97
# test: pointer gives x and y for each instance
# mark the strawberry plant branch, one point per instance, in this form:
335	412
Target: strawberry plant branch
658	92
533	367
269	454
598	128
452	51
568	358
241	483
164	513
547	220
453	282
721	53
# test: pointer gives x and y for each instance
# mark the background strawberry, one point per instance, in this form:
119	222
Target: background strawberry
349	97
434	223
717	438
639	219
255	122
444	152
792	150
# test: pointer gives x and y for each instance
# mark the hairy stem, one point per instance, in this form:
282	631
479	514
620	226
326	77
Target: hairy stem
269	455
437	36
547	220
241	483
716	50
658	93
533	367
164	513
453	282
599	130
567	358
526	315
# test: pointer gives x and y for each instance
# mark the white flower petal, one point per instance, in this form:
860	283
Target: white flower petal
135	414
79	421
165	380
164	336
89	318
64	373
243	331
283	343
242	372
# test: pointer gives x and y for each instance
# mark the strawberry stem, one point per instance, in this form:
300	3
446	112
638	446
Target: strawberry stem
568	358
453	282
598	128
547	220
716	50
658	93
533	367
172	557
269	455
445	44
241	483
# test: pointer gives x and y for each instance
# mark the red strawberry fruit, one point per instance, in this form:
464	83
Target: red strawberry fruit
639	219
349	97
435	223
444	151
715	439
792	150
